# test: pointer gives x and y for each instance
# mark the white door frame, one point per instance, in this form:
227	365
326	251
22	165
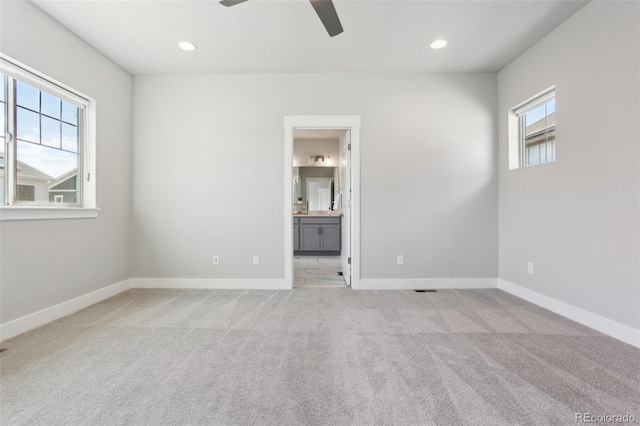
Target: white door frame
346	122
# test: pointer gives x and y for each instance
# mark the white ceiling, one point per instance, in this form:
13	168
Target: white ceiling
266	36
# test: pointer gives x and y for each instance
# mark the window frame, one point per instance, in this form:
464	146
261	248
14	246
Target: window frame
86	178
517	130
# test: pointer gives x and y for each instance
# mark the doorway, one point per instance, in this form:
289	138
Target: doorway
342	198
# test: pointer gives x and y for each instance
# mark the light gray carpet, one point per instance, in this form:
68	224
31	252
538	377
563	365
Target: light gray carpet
314	357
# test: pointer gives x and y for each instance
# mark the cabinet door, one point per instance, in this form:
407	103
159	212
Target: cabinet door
331	238
310	237
296	237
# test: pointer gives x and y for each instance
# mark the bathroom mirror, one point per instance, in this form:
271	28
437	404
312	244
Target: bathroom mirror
315	185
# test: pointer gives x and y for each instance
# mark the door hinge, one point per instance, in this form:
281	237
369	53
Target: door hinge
348	260
88	177
349	147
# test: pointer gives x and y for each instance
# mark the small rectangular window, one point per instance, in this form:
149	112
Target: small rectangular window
26	192
536	130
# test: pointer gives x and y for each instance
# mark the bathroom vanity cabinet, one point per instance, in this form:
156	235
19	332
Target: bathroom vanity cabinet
317	235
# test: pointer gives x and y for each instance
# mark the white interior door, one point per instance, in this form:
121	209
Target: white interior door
324	198
345	196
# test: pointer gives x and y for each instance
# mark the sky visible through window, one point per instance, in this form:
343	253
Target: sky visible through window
47	131
540	112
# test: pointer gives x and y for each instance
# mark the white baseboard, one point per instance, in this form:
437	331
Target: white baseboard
40	318
604	325
427	283
211	283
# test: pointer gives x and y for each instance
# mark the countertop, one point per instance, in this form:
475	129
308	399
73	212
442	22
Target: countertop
331	213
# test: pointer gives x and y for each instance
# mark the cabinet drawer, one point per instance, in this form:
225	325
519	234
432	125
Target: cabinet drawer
320	220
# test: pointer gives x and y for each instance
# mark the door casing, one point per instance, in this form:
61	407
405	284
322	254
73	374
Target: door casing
328	122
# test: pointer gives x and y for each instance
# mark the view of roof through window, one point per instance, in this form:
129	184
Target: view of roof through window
539	139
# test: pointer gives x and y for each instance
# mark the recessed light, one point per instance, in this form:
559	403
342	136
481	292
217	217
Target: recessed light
188	46
438	44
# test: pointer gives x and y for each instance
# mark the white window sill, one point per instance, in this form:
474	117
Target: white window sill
41	212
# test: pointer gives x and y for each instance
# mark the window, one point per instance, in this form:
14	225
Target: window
26	193
533	126
47	143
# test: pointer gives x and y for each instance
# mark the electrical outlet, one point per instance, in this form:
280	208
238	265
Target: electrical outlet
400	260
256	260
530	268
216	260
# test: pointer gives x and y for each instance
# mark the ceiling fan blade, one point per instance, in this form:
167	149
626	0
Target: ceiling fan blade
328	15
229	3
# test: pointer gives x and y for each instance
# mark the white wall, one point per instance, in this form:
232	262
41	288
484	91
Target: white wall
428	171
577	219
305	148
46	262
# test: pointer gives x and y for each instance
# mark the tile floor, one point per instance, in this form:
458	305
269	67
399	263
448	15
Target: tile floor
317	271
